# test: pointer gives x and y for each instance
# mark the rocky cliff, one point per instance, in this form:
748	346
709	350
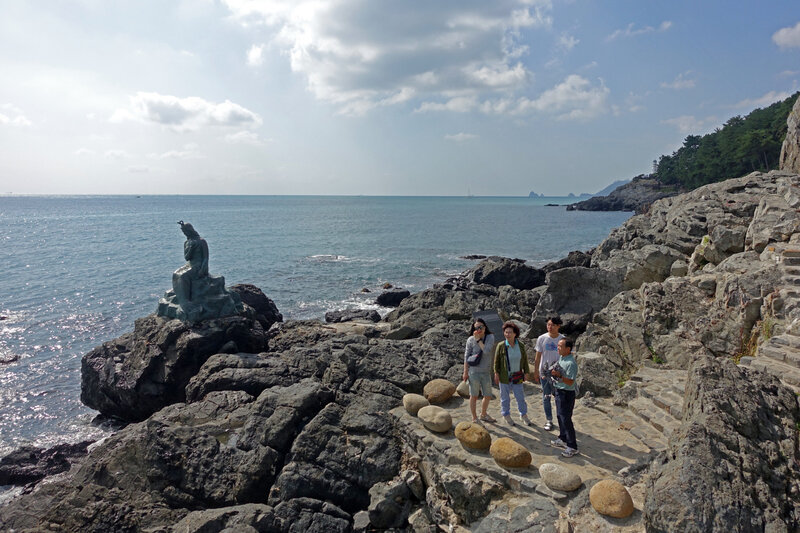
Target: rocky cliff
687	320
790	150
636	195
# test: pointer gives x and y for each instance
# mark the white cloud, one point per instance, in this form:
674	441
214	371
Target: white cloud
84	152
185	114
138	169
787	37
632	31
255	56
243	137
422	51
460	137
13	116
574	98
567	42
687	124
189	151
460	104
681	81
762	101
789	73
116	154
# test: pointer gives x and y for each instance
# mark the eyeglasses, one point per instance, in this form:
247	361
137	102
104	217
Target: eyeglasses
479	328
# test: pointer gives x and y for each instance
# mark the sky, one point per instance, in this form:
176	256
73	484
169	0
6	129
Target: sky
369	97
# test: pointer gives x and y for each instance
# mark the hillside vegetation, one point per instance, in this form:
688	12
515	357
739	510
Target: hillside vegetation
741	146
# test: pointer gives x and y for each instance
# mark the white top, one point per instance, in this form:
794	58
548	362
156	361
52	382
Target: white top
549	347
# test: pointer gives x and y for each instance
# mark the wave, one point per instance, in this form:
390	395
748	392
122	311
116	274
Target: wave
328	258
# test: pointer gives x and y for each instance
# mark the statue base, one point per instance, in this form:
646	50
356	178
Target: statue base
209	300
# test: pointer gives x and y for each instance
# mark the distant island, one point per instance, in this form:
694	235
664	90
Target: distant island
601	192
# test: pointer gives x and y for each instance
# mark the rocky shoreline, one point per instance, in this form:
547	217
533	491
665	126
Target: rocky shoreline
636	195
687	320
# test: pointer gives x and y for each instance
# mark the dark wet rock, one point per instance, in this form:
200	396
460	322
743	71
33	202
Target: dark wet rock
138	373
392	297
733	465
29	463
347	315
8	358
473	257
266	312
498	271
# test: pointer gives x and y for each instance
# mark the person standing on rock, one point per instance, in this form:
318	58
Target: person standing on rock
510	370
564	376
478	368
546	356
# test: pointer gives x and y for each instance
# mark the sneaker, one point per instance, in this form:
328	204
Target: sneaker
558	443
548	425
569	452
488	418
526	420
507	418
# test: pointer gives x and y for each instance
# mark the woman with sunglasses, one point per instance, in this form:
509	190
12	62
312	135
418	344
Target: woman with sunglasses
478	364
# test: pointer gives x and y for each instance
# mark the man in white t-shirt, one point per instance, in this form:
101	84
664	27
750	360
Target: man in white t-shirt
546	355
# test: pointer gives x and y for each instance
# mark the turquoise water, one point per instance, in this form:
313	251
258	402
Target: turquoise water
78	270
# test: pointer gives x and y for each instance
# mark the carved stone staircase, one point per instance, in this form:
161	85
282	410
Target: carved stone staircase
780	355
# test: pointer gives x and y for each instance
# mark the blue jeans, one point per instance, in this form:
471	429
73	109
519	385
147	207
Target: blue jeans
565	404
547	390
505	400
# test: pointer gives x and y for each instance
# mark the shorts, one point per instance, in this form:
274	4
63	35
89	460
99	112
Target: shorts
480	383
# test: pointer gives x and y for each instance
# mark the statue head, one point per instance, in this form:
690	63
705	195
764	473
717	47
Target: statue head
188	230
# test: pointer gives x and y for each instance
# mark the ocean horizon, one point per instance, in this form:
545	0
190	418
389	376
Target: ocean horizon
81	268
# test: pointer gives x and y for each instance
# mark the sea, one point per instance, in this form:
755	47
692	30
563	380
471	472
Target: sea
76	271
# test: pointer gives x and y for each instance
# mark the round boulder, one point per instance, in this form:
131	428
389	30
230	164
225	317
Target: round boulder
559	477
414	402
473	436
463	389
611	498
438	390
435	418
507	452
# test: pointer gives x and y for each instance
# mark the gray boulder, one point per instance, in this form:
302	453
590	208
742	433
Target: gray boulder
732	466
498	271
574	293
392	297
266	312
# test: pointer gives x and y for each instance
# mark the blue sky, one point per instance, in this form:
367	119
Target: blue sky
375	98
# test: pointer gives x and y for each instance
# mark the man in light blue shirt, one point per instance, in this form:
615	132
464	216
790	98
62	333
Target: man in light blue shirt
565	397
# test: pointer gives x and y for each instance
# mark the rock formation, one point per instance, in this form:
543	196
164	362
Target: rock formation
254	424
637	195
790	149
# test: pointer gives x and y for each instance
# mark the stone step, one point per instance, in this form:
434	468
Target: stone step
785	348
668	400
663	379
647	410
789	375
791	260
647	434
792	252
